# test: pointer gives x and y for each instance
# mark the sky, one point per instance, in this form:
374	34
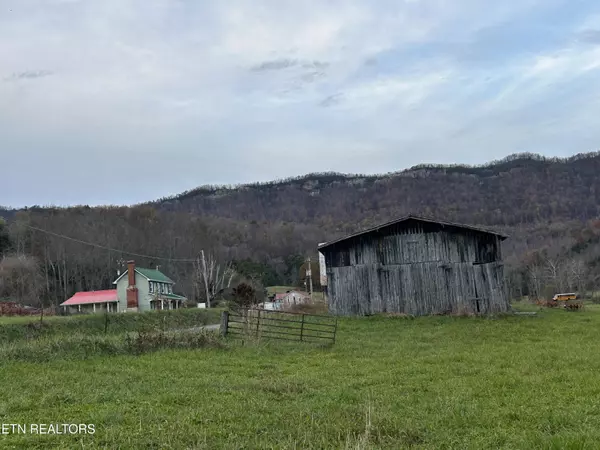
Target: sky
125	101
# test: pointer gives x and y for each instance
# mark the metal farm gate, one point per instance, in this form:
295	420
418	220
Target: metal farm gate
263	323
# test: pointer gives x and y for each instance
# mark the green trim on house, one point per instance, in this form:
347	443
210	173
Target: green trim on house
150	275
171	296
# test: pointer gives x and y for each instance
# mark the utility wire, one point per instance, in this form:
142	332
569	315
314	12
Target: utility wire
62	236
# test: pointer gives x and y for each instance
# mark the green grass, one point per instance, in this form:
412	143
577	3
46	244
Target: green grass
7	320
79	346
24	328
524	382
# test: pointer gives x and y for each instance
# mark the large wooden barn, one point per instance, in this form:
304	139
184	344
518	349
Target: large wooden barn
416	266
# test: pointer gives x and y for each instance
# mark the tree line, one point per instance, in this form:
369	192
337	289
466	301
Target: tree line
263	233
48	255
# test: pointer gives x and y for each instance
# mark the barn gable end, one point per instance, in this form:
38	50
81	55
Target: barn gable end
416	266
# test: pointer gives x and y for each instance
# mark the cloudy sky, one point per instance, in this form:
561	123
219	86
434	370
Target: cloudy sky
122	101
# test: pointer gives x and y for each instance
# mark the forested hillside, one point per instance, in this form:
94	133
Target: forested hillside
549	208
521	189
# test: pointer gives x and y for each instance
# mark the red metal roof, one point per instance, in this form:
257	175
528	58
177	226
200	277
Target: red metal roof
82	298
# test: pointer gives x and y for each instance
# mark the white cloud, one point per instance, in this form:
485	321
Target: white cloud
542	75
206	84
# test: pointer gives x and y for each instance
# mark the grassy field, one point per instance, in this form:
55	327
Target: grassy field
389	382
26	328
4	320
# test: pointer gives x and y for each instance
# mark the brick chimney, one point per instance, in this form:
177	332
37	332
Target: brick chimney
132	290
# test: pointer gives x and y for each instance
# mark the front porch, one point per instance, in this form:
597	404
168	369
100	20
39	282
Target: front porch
167	302
91	308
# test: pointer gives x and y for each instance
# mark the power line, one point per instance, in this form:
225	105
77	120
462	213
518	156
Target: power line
103	247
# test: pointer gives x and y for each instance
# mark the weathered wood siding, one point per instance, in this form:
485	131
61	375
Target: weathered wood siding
417	269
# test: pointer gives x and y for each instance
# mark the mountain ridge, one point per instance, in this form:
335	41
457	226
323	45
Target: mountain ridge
488	169
519	189
340	176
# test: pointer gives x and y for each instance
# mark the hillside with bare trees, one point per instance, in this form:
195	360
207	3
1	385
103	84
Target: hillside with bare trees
263	232
521	189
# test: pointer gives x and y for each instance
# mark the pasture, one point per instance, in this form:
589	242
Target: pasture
15	328
520	382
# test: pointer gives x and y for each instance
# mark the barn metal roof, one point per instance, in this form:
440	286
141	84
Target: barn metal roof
83	298
420	219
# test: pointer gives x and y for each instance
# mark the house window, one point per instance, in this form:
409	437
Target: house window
170	289
151	287
162	288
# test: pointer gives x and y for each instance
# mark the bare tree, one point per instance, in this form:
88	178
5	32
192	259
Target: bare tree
536	281
576	271
5	243
514	283
21	280
555	273
211	277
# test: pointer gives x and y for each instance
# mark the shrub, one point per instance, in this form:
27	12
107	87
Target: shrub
575	306
244	295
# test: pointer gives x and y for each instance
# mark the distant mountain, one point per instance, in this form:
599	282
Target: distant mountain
520	189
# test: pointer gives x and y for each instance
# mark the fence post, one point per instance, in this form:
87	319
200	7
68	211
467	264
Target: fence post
224	322
302	328
257	322
335	330
106	319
